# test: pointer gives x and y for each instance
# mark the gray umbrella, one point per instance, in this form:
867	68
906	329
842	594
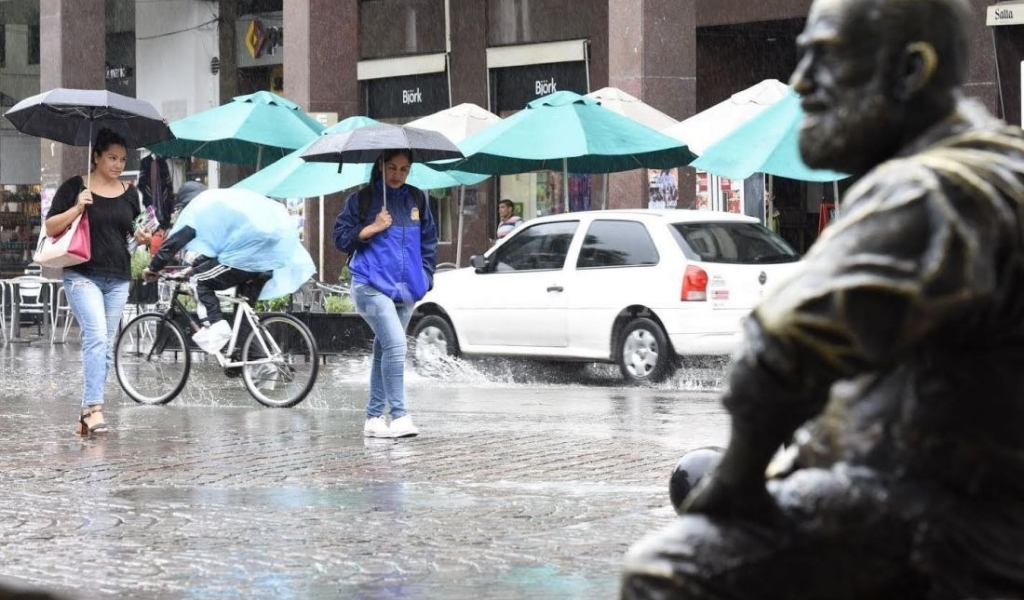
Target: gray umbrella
73	116
364	145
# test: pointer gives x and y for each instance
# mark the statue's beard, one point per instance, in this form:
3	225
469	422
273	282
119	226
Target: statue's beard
852	137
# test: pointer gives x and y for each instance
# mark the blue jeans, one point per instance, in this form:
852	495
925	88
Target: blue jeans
388	321
97	303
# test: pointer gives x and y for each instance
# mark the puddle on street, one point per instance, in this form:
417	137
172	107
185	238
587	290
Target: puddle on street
28	368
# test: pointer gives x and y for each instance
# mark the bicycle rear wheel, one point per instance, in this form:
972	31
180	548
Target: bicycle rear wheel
286	376
151	359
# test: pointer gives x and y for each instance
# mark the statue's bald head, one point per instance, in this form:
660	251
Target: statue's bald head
875	73
939	24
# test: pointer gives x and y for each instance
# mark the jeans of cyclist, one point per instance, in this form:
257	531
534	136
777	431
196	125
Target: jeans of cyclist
97	303
388	320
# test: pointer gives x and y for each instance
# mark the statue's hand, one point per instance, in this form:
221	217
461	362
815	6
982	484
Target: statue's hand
716	498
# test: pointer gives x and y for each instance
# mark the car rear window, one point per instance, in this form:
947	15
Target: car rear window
616	244
736	243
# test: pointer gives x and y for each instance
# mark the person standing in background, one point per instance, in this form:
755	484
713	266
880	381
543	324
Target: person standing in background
97	289
507	219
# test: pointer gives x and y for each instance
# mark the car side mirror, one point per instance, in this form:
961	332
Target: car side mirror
478	262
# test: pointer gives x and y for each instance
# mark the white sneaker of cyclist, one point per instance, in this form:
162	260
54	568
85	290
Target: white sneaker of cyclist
403	427
265	377
212	338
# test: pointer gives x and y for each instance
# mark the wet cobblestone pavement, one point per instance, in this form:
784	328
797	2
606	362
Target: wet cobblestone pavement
513	490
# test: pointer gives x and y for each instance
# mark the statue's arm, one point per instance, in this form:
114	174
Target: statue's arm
898	268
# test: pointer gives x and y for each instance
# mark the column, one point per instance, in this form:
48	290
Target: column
72	54
652	51
321	51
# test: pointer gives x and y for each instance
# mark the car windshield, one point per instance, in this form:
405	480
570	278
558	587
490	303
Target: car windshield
731	242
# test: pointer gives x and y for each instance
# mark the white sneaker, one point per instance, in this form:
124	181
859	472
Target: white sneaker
265	377
403	427
212	338
376	427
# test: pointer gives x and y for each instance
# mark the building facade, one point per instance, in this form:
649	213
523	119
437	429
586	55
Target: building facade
397	60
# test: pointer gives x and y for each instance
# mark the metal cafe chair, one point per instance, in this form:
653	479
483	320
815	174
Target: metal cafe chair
5	307
61	308
33	300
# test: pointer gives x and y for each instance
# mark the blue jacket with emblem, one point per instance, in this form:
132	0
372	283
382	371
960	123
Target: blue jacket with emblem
399	261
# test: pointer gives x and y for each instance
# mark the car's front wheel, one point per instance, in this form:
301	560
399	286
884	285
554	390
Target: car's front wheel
434	341
644	355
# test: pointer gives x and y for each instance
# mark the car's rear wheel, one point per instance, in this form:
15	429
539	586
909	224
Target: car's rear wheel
434	342
644	355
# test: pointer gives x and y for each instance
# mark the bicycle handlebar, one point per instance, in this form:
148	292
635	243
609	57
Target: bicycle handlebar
180	275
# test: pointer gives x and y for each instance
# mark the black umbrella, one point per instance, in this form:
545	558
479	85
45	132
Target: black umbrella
71	116
364	145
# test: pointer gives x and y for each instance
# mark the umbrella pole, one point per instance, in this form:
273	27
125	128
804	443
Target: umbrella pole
383	185
770	206
835	195
88	160
604	198
259	156
565	184
321	238
458	247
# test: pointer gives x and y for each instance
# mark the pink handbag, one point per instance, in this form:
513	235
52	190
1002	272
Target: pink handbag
72	247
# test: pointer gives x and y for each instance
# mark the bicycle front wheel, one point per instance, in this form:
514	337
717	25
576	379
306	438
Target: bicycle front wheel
151	359
284	376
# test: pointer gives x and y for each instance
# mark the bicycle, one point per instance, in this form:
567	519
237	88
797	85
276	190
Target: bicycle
279	360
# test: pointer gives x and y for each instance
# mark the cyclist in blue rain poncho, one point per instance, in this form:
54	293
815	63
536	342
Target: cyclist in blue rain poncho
244	240
391	239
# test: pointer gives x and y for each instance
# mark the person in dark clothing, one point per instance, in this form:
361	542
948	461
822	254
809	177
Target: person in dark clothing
97	290
243	240
156	187
891	361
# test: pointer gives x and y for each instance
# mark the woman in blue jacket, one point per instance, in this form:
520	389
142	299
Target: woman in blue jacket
392	246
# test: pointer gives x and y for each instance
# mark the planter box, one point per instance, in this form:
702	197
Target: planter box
143	292
337	333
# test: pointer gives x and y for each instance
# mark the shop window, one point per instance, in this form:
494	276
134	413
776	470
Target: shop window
3	45
530	21
400	27
33	44
441	203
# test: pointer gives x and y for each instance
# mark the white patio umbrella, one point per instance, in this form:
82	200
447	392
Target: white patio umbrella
708	126
456	124
630	107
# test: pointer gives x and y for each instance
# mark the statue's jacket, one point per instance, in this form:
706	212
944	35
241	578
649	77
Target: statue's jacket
904	331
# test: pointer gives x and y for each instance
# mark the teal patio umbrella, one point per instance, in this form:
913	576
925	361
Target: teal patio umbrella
567	132
256	129
767	143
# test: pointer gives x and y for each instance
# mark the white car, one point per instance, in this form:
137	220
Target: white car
634	287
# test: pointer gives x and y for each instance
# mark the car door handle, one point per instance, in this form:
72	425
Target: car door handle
556	288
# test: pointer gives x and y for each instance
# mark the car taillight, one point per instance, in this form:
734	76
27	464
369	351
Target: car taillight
695	284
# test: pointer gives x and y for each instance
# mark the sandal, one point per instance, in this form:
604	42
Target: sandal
91	421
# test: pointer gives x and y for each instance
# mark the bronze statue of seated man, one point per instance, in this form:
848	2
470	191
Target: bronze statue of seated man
893	362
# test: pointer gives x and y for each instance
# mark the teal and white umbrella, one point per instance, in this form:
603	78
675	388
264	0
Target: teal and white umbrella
767	143
256	129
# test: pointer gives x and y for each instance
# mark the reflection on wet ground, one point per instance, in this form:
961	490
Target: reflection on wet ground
524	484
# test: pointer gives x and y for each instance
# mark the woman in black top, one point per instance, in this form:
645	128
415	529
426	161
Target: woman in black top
97	290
